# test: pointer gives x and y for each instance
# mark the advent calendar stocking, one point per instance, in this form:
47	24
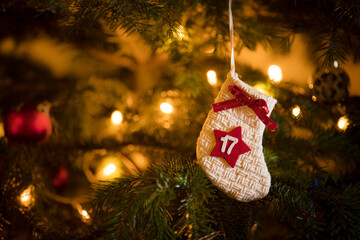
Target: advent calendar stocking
229	148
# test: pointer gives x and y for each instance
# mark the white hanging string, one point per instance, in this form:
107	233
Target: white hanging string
232	64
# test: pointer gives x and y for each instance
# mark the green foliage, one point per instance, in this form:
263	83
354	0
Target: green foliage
166	202
172	199
81	22
332	26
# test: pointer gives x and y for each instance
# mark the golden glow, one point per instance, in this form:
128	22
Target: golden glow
26	197
181	32
211	77
166	108
2	131
262	88
109	169
85	214
314	98
275	73
296	111
343	123
311	86
140	160
116	117
7	45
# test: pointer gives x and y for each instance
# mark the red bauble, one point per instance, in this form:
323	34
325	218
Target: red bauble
27	126
60	177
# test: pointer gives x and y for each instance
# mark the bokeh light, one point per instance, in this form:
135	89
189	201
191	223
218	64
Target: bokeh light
296	111
343	123
26	197
275	73
109	169
85	214
116	117
166	108
211	77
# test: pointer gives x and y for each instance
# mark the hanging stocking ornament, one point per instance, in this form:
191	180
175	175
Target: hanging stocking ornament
229	148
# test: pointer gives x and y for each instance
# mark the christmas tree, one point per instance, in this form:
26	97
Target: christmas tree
103	102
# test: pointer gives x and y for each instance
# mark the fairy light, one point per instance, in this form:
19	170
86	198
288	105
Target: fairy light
336	64
343	123
296	111
181	32
211	77
116	117
166	108
26	197
85	214
109	169
275	73
311	86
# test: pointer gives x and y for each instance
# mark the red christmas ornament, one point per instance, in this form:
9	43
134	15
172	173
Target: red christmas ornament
27	125
60	177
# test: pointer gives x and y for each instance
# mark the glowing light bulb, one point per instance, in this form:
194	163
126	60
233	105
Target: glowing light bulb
336	64
166	108
26	197
343	123
181	32
109	169
296	111
275	73
85	214
116	117
211	77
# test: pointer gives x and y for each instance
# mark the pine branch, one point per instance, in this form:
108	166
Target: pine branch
167	201
326	210
332	26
